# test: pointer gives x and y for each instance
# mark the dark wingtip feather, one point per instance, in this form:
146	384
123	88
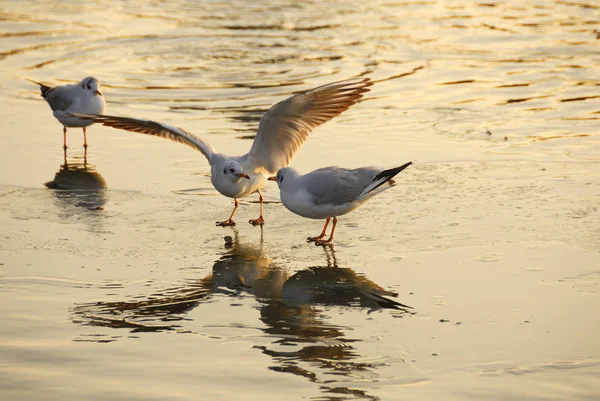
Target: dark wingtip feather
45	89
390	173
383	177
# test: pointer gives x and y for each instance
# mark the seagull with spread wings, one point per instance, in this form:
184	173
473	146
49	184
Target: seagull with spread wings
281	132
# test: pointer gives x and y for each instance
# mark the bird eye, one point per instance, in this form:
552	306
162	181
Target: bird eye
231	170
88	86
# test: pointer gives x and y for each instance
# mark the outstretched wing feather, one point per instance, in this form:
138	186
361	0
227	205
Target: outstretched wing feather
286	125
153	128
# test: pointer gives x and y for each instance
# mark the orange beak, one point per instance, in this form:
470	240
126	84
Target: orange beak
272	178
98	93
244	175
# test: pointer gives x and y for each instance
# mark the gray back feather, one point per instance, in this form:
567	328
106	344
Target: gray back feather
335	185
59	98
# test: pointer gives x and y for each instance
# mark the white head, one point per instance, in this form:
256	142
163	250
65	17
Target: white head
233	171
284	177
91	84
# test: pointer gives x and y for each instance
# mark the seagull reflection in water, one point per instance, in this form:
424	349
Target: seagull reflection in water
293	307
78	183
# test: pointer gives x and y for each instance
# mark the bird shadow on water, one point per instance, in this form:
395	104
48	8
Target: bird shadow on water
294	308
78	183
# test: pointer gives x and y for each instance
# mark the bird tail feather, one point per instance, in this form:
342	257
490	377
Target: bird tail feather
382	178
45	89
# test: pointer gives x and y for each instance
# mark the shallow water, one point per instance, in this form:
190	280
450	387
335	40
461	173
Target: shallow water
119	286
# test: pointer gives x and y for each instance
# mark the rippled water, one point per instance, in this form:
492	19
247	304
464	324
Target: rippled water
524	71
115	283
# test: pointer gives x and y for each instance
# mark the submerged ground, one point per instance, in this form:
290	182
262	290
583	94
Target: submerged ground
127	290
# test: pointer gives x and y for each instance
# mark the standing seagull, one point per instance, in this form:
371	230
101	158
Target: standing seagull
282	130
84	97
331	191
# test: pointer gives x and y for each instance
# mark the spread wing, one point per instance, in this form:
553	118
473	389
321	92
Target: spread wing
286	125
154	128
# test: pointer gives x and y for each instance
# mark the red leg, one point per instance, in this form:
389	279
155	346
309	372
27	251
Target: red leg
64	137
260	220
329	240
229	221
323	232
84	138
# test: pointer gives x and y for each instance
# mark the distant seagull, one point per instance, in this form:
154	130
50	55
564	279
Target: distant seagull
330	192
84	97
281	132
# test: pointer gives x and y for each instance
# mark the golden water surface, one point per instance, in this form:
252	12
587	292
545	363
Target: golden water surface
115	283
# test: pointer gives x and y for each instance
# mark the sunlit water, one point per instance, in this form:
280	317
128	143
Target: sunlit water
115	283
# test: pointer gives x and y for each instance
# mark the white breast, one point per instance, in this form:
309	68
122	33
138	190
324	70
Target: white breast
83	104
236	189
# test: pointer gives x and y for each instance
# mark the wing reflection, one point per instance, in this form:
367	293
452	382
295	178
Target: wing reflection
305	343
245	267
78	183
295	309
